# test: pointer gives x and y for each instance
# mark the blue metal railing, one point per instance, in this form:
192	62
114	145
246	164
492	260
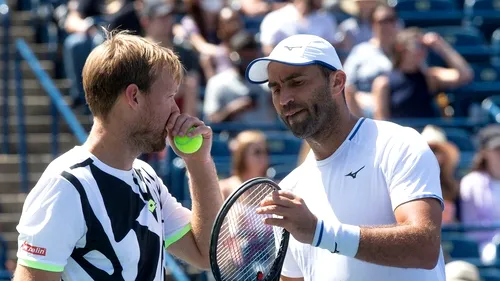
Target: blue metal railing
21	126
50	88
23	51
5	18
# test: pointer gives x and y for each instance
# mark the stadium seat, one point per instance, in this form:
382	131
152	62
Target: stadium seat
495	47
280	171
465	163
486	83
458	246
177	185
468	41
489	274
252	24
5	275
220	147
461	138
280	143
483	14
425	13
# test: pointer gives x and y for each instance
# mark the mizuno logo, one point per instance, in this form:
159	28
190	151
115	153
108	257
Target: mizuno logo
293	47
335	251
353	175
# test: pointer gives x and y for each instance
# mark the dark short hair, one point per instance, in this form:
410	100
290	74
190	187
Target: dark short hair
243	40
325	71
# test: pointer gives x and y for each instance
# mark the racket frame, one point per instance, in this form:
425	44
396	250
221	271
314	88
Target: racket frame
275	271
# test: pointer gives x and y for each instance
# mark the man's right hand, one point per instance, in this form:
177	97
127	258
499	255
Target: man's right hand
179	124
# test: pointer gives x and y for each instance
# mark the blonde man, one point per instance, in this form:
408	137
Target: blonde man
99	213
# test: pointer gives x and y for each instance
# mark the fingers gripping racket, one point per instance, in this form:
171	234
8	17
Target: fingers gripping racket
242	247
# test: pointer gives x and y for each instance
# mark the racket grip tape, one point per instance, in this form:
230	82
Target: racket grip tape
337	238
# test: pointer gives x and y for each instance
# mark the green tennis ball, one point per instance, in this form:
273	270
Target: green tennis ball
188	145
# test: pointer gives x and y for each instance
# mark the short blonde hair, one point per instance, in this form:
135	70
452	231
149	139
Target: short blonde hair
124	59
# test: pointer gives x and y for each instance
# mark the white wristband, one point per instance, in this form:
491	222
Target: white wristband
340	239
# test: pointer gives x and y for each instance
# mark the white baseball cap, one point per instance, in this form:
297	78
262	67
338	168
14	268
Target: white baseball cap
297	50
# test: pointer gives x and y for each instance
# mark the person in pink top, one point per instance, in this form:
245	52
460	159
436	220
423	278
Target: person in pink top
480	189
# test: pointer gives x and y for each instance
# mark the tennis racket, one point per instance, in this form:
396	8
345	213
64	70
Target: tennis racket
242	247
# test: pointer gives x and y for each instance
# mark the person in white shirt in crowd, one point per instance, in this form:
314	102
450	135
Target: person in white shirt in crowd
366	203
370	59
358	28
298	17
229	97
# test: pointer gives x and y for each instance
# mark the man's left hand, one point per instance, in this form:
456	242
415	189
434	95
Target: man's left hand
296	218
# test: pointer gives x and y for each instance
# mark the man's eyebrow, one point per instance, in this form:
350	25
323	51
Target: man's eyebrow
288	78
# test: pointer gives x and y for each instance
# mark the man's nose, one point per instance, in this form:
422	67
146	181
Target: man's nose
286	97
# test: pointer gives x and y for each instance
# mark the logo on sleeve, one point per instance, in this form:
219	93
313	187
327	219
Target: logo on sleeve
33	249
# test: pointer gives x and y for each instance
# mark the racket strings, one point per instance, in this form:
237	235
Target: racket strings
235	218
246	245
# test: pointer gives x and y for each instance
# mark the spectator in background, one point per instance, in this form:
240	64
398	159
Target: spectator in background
297	17
447	155
200	22
370	59
358	28
249	159
80	20
214	57
157	20
480	189
230	97
408	91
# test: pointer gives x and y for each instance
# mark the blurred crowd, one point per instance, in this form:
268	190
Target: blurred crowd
385	62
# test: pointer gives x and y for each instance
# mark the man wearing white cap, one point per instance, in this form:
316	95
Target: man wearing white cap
366	204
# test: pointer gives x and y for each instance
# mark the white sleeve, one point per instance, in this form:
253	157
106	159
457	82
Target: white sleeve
51	224
331	29
211	102
351	65
415	171
177	218
268	31
290	267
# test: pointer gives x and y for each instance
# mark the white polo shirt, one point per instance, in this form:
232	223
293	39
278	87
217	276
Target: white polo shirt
378	167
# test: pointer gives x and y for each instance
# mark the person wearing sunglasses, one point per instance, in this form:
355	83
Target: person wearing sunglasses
249	160
408	91
370	59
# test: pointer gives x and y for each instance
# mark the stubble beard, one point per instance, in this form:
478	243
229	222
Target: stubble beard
321	117
148	137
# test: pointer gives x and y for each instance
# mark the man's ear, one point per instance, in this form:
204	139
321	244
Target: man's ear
337	81
132	95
